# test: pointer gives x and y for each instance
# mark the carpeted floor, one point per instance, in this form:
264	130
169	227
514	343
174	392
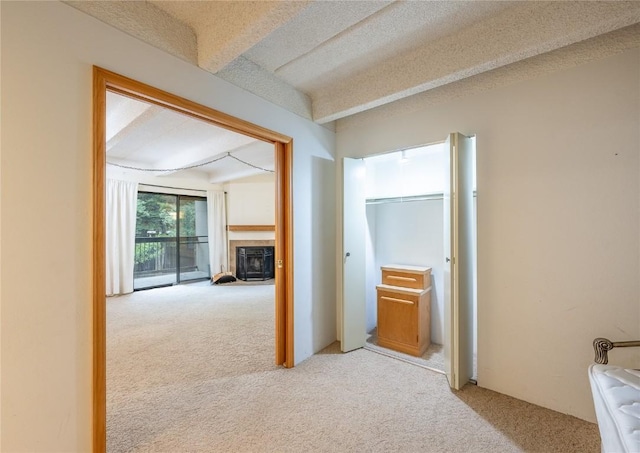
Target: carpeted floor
190	369
432	358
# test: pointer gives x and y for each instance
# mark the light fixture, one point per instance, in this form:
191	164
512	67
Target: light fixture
403	157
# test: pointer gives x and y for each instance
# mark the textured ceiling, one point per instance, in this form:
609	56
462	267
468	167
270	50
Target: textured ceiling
162	142
327	60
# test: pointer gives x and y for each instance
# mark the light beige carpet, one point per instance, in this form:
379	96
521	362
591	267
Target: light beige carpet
432	358
190	370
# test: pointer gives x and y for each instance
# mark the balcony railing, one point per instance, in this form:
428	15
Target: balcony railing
159	256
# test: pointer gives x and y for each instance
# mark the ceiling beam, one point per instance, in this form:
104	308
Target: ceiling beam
226	30
517	33
576	54
316	25
146	22
246	24
126	123
255	79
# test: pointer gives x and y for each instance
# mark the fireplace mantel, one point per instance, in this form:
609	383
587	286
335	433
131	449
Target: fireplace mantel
251	227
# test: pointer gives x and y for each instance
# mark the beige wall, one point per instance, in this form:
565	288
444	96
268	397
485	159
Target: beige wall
558	219
48	50
251	203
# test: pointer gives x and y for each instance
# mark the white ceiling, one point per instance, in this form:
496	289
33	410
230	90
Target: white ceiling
327	60
162	142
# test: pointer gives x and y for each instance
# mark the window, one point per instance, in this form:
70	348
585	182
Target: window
171	240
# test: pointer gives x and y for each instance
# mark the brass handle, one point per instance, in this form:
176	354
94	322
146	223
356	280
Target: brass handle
404	279
393	299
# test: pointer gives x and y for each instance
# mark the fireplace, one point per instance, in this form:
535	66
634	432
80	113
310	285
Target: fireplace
254	263
234	243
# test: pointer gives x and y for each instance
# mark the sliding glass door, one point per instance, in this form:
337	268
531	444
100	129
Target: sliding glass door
156	232
171	240
193	256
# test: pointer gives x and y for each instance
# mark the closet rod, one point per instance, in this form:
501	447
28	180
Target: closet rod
406	148
426	197
410	147
431	196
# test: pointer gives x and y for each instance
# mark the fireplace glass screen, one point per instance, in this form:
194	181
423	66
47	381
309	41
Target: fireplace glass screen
254	263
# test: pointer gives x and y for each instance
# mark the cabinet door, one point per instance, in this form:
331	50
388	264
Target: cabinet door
398	317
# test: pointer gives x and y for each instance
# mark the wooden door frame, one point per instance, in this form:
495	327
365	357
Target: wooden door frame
104	81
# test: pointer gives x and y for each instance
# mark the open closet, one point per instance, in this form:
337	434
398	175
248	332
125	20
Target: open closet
409	240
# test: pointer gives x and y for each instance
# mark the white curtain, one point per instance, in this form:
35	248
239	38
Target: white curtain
216	222
122	199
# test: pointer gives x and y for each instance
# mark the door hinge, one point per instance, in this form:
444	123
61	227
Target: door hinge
279	264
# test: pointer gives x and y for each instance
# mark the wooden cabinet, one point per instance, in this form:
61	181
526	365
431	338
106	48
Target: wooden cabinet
404	309
406	276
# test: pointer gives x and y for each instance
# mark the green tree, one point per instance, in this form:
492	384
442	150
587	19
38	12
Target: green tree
187	218
156	212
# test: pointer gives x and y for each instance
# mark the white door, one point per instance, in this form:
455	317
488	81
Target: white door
353	335
458	266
